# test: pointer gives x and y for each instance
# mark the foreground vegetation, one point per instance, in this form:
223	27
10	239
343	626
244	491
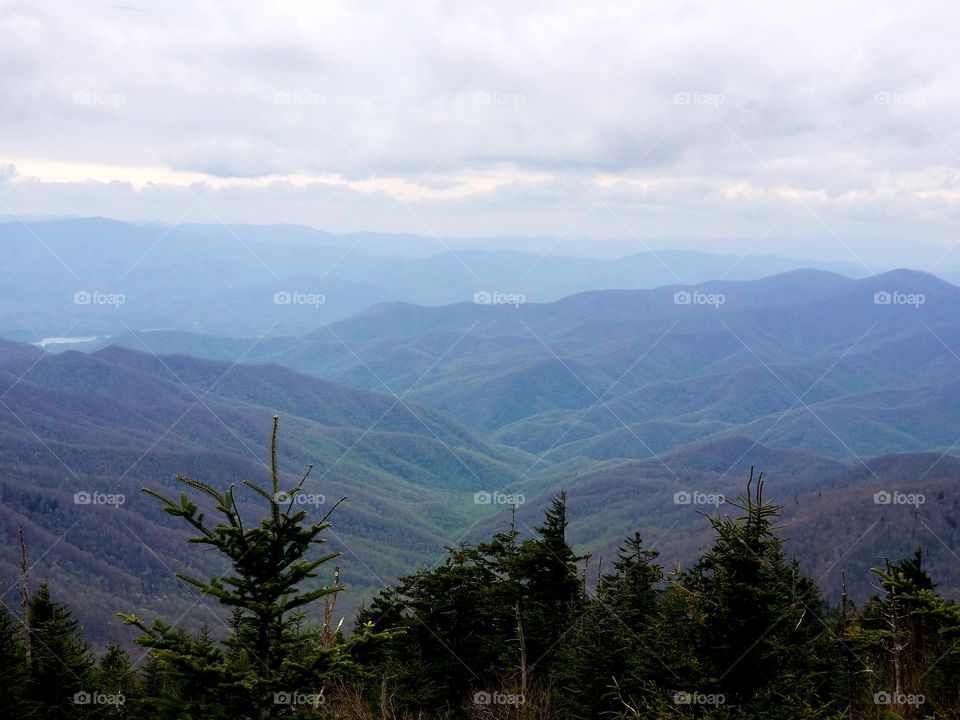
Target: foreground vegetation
508	628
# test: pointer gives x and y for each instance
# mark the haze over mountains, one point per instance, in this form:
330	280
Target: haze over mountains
98	277
413	397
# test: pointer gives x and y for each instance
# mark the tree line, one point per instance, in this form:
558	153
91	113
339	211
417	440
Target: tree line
506	628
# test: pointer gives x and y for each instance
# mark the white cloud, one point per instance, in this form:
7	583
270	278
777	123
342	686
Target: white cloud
623	118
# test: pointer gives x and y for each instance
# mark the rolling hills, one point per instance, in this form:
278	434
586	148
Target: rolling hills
113	421
836	388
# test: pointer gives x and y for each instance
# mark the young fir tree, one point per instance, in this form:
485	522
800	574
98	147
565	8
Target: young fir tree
270	659
60	659
607	655
114	677
13	666
552	596
762	635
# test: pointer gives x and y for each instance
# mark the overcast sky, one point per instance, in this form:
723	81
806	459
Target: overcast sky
580	120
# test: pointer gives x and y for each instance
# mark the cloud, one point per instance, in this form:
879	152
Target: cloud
501	115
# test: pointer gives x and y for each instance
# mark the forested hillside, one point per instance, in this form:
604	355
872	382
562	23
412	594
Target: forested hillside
504	628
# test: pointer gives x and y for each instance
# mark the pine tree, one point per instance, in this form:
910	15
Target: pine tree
60	659
13	666
607	655
116	681
762	632
487	619
552	595
269	565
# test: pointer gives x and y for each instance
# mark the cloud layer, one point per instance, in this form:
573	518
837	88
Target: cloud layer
620	119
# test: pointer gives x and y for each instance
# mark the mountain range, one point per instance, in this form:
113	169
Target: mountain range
95	277
644	405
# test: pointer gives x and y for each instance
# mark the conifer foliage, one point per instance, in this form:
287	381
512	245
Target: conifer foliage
273	663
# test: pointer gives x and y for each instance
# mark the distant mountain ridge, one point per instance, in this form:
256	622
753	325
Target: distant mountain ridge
223	280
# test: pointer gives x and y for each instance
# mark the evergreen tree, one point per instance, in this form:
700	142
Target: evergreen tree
488	619
552	593
13	666
608	653
60	659
271	660
761	635
909	639
116	682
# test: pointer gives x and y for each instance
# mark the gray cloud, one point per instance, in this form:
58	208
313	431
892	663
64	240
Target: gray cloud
693	118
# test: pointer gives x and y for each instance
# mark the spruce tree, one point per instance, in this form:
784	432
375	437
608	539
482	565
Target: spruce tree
60	659
271	661
762	631
607	655
13	665
552	594
115	680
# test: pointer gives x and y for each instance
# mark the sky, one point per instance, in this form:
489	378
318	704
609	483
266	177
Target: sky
829	122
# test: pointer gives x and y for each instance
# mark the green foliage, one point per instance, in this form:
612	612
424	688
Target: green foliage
270	657
488	617
607	654
503	629
13	666
60	663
